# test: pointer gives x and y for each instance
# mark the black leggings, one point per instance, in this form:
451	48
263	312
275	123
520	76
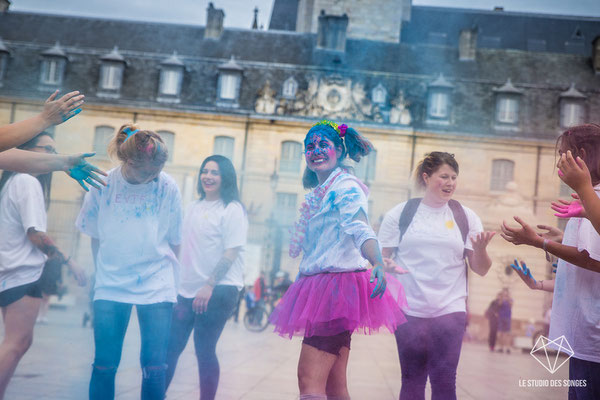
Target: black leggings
207	330
430	347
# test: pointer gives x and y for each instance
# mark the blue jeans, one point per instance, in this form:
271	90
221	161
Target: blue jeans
430	347
110	325
207	330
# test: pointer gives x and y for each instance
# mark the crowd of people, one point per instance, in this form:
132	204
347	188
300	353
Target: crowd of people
184	270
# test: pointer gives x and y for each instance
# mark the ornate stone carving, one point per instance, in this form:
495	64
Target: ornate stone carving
265	103
400	114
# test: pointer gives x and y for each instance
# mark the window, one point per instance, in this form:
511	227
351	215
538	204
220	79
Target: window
228	87
286	207
102	135
291	157
571	113
379	94
290	87
224	146
170	81
111	75
438	104
52	71
502	173
507	109
365	169
332	32
169	139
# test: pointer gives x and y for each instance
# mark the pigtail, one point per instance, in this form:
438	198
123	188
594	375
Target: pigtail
132	143
357	146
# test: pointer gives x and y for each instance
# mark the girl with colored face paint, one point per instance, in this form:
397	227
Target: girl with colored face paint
334	294
25	248
575	311
135	224
212	270
430	237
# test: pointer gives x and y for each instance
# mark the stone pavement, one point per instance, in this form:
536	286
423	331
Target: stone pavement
257	366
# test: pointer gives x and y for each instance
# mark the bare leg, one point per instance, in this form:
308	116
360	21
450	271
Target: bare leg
42	315
314	367
19	319
337	384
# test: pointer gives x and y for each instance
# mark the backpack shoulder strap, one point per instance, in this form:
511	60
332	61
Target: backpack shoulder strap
407	215
460	217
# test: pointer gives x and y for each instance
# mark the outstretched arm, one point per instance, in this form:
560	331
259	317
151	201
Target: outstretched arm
479	260
526	276
55	112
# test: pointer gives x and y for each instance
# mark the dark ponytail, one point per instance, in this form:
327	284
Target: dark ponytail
352	144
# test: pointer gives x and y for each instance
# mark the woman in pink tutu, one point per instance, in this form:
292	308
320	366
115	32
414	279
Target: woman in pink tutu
334	294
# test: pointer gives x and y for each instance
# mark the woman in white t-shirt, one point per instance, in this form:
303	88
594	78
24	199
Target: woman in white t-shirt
212	270
575	304
432	249
135	224
24	249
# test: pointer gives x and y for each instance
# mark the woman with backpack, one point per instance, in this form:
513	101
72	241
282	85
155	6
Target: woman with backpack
430	238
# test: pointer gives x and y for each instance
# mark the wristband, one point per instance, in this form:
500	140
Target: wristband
546	250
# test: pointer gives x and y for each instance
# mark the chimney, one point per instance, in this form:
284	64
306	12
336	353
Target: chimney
214	22
498	8
596	55
4	5
467	44
331	34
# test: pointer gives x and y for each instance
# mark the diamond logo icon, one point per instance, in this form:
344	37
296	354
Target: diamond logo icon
548	360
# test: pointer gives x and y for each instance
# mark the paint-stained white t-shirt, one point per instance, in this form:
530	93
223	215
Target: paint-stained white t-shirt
21	207
135	226
210	228
432	251
576	302
334	237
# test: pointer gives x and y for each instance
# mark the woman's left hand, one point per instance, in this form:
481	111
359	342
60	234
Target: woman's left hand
523	235
200	303
378	274
480	240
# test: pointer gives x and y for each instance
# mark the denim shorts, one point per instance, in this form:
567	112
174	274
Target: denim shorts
12	295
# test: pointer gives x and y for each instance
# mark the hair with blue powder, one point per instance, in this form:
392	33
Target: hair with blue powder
353	145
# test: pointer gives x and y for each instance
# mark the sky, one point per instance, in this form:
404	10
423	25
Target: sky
239	13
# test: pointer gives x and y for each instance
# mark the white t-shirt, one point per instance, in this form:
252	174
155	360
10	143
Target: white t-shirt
576	303
21	207
210	228
333	237
432	251
135	224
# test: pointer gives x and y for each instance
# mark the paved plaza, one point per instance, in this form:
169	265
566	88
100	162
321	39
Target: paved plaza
258	366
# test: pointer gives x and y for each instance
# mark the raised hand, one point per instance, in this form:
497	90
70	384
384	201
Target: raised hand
554	234
379	274
568	209
573	172
525	274
84	172
58	111
523	235
481	240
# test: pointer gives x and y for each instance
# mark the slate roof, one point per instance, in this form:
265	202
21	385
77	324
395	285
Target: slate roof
283	15
277	55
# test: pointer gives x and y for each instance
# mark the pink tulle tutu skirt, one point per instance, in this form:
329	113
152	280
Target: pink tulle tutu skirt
331	303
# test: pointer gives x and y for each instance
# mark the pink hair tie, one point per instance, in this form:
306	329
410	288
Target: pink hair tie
342	128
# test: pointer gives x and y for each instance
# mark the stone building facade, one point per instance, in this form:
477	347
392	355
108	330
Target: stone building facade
494	88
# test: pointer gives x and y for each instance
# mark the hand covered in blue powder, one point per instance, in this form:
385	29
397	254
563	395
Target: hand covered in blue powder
525	274
84	172
378	274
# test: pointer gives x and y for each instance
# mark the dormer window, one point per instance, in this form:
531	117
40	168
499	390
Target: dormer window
438	101
508	99
290	87
332	32
111	73
171	75
228	86
572	107
53	66
379	94
4	54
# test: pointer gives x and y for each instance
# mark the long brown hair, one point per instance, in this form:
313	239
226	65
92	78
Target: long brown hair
44	179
